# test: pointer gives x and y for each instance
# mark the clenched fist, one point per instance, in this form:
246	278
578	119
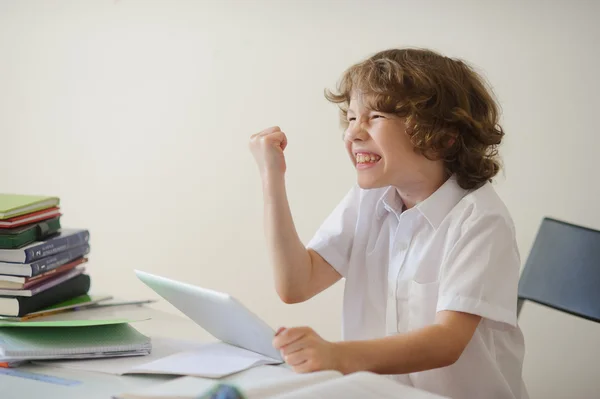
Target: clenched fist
267	148
304	350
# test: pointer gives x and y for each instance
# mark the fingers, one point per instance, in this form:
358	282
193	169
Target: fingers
296	359
304	361
281	329
307	366
302	348
270	130
283	143
293	347
289	335
267	131
271	136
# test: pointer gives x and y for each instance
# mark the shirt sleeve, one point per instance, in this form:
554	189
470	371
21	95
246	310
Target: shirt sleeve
481	273
334	238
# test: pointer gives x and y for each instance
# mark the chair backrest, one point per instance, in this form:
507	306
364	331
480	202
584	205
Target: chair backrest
563	270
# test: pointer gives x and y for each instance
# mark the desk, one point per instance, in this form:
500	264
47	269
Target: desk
99	385
104	386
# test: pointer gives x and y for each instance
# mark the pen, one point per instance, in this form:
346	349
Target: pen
104	305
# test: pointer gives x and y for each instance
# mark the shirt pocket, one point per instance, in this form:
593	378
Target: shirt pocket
422	304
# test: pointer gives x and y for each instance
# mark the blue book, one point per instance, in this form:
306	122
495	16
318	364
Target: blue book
44	265
63	241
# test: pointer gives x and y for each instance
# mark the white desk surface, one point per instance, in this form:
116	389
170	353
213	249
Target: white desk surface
98	385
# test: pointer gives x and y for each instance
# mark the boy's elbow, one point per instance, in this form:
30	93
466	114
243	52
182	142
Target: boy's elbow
451	358
289	297
453	354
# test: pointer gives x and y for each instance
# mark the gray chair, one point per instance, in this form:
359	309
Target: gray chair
562	270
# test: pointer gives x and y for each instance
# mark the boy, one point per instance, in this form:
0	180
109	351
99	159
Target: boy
425	245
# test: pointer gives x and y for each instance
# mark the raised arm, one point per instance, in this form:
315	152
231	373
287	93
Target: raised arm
299	273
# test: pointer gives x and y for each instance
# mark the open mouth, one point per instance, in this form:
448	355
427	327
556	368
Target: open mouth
365	158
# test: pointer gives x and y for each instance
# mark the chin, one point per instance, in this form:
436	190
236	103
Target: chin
367	184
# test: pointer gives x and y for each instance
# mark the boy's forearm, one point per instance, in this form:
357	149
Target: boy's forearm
291	261
428	348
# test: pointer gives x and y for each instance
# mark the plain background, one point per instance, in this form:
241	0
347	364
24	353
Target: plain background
138	113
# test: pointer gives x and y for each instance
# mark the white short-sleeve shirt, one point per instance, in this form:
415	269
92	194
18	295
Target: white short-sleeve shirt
457	251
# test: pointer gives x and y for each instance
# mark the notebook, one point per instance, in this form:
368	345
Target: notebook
162	347
72	342
214	360
12	205
170	357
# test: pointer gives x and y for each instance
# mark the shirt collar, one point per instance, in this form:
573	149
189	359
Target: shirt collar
390	201
434	208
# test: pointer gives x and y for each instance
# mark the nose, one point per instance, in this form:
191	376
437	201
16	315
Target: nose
356	132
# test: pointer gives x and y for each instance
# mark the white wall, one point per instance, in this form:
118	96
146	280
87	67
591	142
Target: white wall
137	114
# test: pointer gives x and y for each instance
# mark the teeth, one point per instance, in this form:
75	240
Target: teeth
363	158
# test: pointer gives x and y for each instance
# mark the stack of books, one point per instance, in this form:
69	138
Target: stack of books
42	264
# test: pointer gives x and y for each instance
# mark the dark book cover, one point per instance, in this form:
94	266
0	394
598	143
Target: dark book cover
62	241
69	289
45	264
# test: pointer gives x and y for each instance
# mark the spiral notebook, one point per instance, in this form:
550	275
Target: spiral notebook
72	342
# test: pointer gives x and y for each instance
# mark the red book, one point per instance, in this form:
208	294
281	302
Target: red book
21	283
30	218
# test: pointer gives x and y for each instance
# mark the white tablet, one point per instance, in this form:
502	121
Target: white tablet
218	313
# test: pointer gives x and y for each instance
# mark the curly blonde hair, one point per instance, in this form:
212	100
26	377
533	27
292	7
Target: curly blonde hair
449	111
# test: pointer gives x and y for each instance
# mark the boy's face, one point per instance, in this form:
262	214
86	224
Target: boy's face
381	150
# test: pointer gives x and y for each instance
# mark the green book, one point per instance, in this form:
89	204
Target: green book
12	205
24	235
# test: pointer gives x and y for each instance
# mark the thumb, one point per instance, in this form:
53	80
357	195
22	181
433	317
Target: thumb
280	330
283	143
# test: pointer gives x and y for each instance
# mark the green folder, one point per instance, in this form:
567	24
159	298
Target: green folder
64	323
72	342
22	236
12	205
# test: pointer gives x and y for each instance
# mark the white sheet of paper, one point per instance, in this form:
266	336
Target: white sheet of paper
161	347
256	383
179	388
359	386
213	360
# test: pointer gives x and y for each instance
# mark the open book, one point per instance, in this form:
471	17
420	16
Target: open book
276	382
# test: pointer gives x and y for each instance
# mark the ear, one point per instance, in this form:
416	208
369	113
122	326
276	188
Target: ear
451	140
445	147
